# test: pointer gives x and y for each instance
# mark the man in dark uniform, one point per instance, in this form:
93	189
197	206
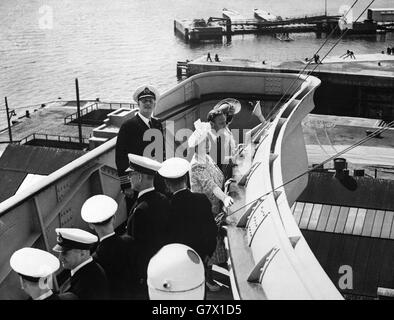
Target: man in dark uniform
148	222
115	253
191	220
131	133
35	268
88	280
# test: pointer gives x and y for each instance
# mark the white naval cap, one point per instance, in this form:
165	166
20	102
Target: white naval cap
73	238
176	272
98	208
33	264
143	164
174	168
227	105
145	91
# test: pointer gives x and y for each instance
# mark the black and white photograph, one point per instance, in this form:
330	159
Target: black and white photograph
214	151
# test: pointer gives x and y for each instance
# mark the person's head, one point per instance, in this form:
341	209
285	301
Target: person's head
146	97
73	246
230	107
218	119
99	212
176	272
175	172
142	171
35	268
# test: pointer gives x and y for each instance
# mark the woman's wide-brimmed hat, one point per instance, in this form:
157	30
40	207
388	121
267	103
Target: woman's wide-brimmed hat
228	105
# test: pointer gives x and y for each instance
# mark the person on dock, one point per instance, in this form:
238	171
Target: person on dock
35	268
345	55
316	58
352	56
217	58
88	279
388	50
116	254
130	136
209	57
148	222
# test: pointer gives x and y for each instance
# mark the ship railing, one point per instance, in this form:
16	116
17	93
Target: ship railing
52	137
29	218
99	105
280	254
291	165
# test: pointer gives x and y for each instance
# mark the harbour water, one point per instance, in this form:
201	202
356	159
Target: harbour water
115	46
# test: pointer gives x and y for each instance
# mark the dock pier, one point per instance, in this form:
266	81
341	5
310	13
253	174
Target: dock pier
363	87
215	28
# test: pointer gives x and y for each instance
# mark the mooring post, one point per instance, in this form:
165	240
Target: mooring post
79	112
8	119
228	30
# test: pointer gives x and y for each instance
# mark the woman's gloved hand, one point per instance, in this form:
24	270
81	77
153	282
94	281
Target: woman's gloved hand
228	201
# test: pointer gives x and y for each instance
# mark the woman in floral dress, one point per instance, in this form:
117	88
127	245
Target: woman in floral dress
207	178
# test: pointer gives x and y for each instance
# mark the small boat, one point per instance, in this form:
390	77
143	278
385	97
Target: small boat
232	14
264	15
283	37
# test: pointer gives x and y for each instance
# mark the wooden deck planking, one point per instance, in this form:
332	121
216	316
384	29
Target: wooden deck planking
378	224
349	253
358	225
306	214
351	219
341	221
299	208
386	274
332	220
316	211
324	215
372	272
323	248
334	256
387	224
368	223
312	238
360	264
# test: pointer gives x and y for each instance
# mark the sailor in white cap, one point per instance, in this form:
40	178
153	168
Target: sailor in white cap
148	222
115	253
35	268
176	272
192	222
130	137
88	280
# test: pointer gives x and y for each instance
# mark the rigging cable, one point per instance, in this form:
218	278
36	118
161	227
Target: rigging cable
358	143
310	71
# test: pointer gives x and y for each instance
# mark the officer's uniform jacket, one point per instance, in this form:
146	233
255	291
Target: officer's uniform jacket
89	283
192	222
117	255
130	140
148	226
